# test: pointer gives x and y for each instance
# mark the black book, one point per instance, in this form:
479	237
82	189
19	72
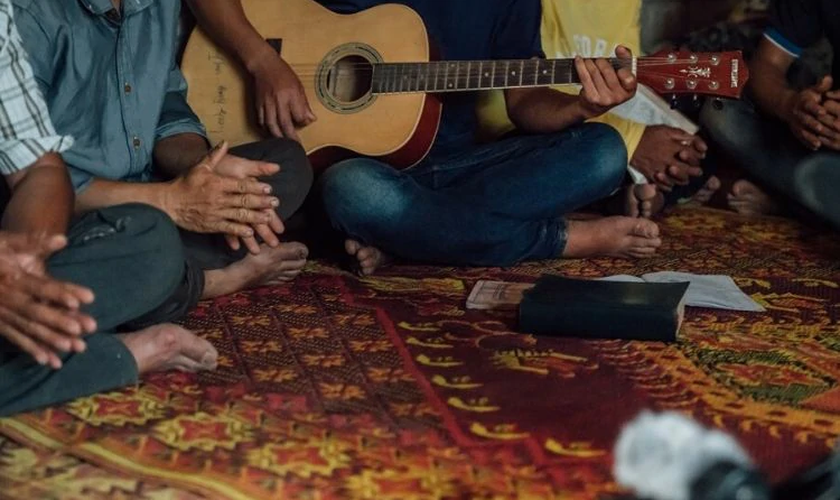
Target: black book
566	307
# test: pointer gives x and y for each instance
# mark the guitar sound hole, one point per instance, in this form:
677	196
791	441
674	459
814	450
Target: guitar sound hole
349	79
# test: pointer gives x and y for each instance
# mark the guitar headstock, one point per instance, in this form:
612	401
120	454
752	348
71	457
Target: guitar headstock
719	74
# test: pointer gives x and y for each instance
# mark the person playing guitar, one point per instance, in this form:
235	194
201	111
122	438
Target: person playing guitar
467	204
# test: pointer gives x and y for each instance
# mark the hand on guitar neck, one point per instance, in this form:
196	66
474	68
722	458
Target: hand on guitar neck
604	87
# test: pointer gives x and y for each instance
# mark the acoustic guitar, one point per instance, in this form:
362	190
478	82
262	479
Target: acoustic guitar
374	87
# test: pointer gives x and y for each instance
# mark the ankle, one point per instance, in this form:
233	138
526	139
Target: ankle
217	283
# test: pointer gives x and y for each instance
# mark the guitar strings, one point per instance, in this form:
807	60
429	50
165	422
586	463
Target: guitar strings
314	69
639	61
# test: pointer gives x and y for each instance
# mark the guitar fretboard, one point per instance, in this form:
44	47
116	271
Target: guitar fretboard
454	76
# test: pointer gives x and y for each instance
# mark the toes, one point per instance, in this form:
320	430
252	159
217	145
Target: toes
185	364
284	277
645	192
646	209
647	229
210	360
642	253
365	253
369	263
292	251
301	251
195	347
352	246
292	265
643	247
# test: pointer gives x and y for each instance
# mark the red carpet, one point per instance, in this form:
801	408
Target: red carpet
385	388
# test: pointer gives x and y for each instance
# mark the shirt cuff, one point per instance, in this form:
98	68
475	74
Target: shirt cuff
19	154
783	42
184	126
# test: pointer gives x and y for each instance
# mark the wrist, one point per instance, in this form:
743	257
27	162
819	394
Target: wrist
584	111
788	103
166	199
254	59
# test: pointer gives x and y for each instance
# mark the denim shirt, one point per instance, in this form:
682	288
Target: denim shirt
110	79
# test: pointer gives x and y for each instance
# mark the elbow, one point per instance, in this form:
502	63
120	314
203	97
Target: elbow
517	114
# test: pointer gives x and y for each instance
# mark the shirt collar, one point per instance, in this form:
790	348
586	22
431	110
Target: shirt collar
101	7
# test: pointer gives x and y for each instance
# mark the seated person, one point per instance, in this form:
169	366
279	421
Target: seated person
66	291
660	155
788	140
492	205
112	82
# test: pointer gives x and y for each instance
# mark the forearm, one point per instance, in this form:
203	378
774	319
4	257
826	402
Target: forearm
772	92
102	193
768	81
27	211
176	155
544	110
225	21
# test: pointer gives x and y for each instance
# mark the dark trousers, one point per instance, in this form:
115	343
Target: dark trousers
769	152
132	258
291	186
143	271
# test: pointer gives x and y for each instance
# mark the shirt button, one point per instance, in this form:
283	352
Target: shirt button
127	88
136	142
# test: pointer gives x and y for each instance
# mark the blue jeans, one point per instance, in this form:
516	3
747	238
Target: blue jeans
493	205
768	151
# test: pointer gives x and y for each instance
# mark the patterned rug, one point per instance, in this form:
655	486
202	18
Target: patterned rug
386	388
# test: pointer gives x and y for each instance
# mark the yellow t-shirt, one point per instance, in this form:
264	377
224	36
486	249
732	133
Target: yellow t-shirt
589	28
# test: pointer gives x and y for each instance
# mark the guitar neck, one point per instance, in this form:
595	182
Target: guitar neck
461	76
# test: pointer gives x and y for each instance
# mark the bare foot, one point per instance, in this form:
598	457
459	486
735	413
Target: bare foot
625	237
369	259
643	200
169	347
748	199
271	266
705	194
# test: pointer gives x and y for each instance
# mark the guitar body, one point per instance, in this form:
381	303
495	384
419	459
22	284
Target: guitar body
370	82
330	53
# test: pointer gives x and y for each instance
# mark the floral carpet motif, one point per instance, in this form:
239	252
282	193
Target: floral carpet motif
386	388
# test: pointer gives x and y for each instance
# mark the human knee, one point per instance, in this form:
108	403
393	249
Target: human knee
817	178
723	121
294	164
152	236
607	152
294	180
360	193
